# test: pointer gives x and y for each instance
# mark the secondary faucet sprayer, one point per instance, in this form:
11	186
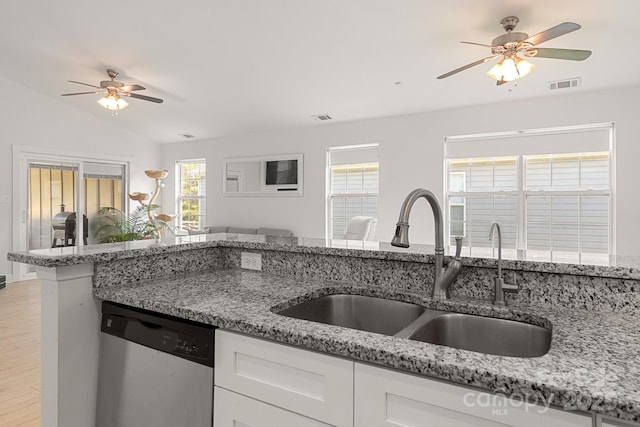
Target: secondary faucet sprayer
442	278
500	286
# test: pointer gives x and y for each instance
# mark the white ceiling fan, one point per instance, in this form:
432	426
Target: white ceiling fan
512	44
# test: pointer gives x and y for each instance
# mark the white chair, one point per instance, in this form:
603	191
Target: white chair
361	228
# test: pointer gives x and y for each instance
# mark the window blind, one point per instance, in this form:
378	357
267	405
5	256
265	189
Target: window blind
567	202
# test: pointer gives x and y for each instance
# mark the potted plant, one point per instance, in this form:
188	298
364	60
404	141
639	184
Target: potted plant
115	226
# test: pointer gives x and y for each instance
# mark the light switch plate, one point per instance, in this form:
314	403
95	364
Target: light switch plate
251	261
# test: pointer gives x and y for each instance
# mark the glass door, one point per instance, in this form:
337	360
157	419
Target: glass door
104	192
54	197
52	201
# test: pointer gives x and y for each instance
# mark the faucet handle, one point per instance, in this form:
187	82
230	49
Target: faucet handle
509	284
458	246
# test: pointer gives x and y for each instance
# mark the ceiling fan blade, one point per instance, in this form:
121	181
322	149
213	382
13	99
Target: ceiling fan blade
569	54
477	44
473	64
144	97
552	33
131	88
79	93
86	84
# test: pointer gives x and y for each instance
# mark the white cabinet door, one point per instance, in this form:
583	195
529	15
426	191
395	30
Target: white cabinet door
234	410
603	422
385	398
308	383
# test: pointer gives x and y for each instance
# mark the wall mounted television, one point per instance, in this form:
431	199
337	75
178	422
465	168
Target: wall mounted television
281	172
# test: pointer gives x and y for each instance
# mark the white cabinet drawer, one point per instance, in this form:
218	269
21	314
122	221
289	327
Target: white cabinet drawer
301	381
235	410
386	398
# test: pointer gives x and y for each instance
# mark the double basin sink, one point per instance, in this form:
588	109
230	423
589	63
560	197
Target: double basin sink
411	321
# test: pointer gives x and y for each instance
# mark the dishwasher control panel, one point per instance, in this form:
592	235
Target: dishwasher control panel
182	338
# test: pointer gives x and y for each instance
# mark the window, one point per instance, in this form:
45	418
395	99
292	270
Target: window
191	201
353	186
567	203
551	207
482	191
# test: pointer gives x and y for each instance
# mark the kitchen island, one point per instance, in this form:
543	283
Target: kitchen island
591	366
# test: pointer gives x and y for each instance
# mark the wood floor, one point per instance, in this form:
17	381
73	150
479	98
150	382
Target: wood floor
20	354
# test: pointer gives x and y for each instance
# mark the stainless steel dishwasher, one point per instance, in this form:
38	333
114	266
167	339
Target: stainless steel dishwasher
155	370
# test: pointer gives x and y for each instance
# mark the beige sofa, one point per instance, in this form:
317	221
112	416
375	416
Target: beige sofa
280	232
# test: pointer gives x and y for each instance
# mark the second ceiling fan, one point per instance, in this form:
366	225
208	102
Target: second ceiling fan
510	45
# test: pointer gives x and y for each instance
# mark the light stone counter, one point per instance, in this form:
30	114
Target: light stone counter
593	362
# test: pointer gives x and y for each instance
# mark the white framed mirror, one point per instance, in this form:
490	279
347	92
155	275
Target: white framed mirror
273	175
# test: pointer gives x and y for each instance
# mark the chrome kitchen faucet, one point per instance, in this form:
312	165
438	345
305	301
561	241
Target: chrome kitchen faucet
442	278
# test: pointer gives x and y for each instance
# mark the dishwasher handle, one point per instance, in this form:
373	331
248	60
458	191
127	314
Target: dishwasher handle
150	325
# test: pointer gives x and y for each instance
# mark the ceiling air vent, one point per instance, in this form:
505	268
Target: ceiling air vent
565	84
321	117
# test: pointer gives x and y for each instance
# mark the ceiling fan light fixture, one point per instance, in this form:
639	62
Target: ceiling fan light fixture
510	68
113	102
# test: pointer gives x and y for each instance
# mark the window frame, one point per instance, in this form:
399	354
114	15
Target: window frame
523	193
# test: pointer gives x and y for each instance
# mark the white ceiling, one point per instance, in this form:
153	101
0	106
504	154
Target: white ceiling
232	66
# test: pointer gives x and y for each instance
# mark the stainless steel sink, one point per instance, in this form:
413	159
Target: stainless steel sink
357	312
483	334
405	320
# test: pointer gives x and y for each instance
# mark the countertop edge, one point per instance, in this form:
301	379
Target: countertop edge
56	257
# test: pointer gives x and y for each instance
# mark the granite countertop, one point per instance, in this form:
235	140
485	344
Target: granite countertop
623	267
592	364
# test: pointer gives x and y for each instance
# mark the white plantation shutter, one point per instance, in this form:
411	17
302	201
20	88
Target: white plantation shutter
551	206
353	186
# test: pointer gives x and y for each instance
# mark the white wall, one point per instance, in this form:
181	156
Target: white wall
411	156
30	119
